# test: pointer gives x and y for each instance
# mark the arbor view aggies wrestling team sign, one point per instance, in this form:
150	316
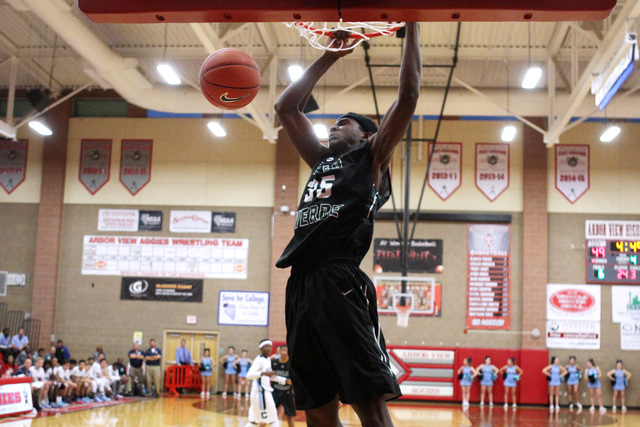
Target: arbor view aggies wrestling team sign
165	257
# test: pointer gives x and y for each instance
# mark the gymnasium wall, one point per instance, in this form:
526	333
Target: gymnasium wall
18	226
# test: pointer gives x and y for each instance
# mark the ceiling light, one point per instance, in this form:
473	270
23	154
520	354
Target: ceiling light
610	133
508	133
321	131
40	128
168	74
216	129
531	78
295	72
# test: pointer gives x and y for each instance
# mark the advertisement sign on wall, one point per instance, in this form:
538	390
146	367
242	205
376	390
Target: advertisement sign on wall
625	304
152	289
573	302
630	336
243	308
571	334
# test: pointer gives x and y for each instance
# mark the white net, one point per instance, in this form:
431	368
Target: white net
358	31
402	304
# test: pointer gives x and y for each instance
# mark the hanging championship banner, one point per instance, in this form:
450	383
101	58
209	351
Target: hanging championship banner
446	168
489	276
572	170
13	163
95	163
492	169
135	164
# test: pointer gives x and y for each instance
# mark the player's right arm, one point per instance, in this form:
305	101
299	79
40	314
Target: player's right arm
256	370
291	103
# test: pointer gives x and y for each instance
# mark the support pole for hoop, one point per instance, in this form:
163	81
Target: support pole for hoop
405	212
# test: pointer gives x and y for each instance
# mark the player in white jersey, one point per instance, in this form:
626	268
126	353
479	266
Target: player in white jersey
114	378
56	375
262	410
40	383
99	383
80	376
70	387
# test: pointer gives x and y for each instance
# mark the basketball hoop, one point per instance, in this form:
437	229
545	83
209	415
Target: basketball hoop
359	31
403	312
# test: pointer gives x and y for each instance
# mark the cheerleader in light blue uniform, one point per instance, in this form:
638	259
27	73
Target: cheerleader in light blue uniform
574	373
554	373
593	378
619	378
511	375
488	373
242	366
466	375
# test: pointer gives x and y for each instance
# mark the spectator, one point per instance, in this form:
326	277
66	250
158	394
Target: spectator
62	352
9	367
51	355
23	371
122	371
40	353
19	341
183	355
24	354
96	354
5	342
136	359
154	375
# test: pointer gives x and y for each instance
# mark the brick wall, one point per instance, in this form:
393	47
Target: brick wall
287	169
45	277
534	237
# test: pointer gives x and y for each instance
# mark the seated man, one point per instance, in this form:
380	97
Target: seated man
5	343
19	341
80	376
70	387
114	378
56	376
40	384
98	381
122	371
51	354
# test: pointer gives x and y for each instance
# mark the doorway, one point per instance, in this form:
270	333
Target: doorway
196	342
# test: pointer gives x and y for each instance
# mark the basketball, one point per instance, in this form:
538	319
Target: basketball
229	79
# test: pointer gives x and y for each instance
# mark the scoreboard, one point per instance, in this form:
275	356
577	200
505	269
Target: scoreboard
613	261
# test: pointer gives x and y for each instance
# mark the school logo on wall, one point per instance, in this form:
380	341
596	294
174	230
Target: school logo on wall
135	164
445	173
95	163
13	163
492	169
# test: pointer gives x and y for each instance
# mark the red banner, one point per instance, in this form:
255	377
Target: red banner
95	163
492	169
13	163
572	171
135	164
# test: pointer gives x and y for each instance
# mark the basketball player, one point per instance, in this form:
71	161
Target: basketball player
282	393
262	410
336	347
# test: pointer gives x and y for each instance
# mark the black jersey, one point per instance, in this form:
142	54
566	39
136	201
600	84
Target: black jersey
337	210
281	369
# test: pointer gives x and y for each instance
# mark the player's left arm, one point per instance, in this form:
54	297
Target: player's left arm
396	121
519	370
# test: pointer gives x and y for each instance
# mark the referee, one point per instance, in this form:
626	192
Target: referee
283	393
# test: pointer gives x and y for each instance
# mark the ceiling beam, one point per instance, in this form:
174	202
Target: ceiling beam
611	43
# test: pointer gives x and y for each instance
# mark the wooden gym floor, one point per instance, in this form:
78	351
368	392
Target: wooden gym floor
229	412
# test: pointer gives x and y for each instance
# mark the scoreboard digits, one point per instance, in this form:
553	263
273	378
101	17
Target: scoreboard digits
613	261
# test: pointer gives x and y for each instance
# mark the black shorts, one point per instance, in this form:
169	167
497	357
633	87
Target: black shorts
335	343
285	398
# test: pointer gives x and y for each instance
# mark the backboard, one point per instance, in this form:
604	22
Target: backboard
169	11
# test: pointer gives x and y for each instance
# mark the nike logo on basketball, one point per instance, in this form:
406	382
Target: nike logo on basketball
224	97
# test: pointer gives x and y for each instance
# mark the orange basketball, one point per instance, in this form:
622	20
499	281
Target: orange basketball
229	79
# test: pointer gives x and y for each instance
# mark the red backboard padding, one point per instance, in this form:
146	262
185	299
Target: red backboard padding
532	388
150	11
